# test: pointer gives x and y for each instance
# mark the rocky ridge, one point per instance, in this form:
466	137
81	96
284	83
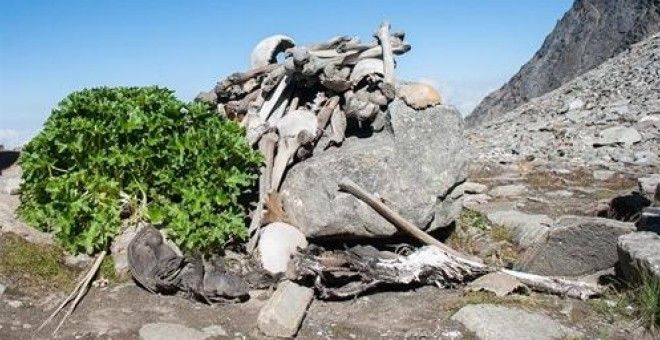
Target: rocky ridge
608	117
591	32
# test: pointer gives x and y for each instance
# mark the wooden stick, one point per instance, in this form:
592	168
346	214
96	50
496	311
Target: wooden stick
61	306
80	289
392	216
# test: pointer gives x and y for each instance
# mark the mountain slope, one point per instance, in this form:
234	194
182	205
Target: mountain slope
591	32
608	117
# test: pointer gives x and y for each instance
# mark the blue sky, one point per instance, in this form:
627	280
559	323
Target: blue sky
49	48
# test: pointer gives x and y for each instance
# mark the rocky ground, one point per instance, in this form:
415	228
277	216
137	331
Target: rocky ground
591	32
608	117
121	309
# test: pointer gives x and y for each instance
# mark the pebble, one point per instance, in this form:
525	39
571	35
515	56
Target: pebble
15	303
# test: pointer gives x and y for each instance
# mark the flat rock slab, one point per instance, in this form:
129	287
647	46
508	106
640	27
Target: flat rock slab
284	312
576	245
639	252
491	322
618	135
525	229
510	190
170	331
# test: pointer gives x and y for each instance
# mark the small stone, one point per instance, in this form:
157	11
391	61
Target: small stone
511	190
15	303
214	330
491	322
10	185
277	243
648	184
603	175
282	315
2	288
472	201
473	188
78	261
170	331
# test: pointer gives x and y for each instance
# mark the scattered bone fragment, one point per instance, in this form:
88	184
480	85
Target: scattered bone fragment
498	283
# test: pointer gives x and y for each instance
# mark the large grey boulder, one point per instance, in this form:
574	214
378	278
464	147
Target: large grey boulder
491	322
576	245
413	165
639	253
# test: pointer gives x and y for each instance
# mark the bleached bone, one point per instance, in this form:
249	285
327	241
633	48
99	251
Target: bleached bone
266	51
326	112
366	67
330	44
238	108
389	82
375	52
268	106
294	104
338	124
296	128
267	148
273	78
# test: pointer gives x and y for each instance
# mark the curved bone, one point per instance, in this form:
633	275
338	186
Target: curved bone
266	50
366	67
296	128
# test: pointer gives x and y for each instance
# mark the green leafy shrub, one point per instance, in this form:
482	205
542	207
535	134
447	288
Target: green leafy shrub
138	153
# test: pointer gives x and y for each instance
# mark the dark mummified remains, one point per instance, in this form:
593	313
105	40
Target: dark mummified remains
159	269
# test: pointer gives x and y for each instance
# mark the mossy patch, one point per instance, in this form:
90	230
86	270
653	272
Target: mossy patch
107	270
34	269
481	297
472	219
